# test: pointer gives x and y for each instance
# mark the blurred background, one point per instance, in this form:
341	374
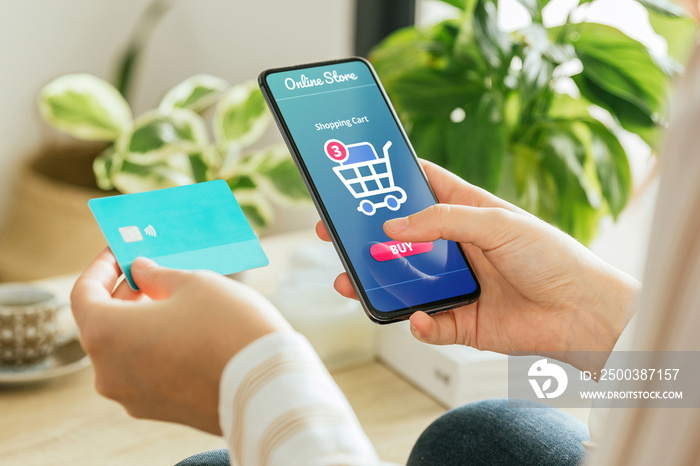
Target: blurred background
495	75
558	106
44	40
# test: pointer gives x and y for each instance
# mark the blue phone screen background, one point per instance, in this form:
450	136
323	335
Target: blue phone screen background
394	284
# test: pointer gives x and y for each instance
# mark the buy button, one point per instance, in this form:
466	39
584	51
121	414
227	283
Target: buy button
395	249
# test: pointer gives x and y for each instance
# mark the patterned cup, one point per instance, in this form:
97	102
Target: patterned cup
28	324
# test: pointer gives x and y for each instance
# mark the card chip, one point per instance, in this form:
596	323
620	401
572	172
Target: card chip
131	234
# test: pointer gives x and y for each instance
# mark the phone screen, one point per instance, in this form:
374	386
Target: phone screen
361	171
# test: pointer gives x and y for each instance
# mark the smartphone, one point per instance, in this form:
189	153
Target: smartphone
361	171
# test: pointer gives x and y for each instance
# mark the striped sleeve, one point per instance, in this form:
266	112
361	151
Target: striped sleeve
279	406
600	410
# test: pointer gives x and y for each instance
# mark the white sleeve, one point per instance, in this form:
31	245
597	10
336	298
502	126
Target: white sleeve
598	416
279	406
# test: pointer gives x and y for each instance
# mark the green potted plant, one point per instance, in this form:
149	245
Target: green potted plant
534	115
170	146
49	229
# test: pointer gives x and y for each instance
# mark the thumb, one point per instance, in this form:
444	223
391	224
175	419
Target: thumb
436	329
155	281
485	227
423	327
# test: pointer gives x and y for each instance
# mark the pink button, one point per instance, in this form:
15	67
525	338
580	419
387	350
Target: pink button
395	249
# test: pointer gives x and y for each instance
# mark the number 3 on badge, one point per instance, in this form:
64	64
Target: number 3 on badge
336	150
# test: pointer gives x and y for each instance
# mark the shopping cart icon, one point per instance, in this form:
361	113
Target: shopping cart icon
368	177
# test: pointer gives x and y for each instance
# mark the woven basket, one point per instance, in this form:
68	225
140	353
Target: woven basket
49	229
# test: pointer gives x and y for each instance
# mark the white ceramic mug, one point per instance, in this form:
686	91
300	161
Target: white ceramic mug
28	324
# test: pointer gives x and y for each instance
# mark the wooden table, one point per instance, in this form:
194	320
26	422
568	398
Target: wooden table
65	422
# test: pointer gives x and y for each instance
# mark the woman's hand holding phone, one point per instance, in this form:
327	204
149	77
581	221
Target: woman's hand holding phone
542	291
360	168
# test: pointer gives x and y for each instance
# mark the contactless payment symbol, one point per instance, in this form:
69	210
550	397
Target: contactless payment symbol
150	231
366	175
132	234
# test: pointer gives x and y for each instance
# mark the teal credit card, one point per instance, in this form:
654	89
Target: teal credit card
194	227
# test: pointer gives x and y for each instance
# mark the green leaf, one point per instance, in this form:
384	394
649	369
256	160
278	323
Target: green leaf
541	57
512	113
495	44
679	33
534	8
577	217
537	38
630	117
230	160
477	155
241	182
535	188
473	148
620	85
456	3
241	115
612	167
129	63
536	74
563	106
204	164
620	65
578	201
180	162
564	155
256	208
664	7
432	92
278	174
400	52
428	138
196	93
134	178
85	107
156	136
461	37
104	166
200	170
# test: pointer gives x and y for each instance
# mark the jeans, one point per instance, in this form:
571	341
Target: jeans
207	458
490	433
484	433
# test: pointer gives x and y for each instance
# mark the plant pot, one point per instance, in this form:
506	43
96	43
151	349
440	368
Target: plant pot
48	229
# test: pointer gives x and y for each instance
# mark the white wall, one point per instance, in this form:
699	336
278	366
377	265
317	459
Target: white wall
234	39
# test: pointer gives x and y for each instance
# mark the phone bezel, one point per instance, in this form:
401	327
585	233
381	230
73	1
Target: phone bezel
374	314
